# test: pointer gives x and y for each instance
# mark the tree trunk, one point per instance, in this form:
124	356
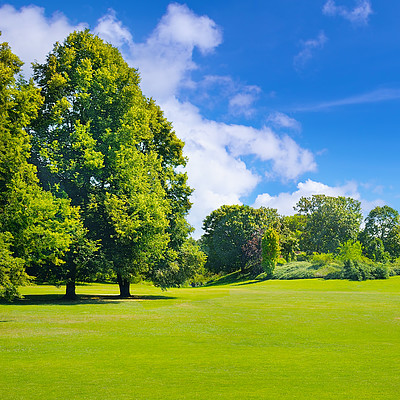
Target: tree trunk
70	293
124	287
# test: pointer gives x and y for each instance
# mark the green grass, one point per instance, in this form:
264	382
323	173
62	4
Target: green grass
305	339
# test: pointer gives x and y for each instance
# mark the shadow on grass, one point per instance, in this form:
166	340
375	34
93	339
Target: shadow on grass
252	282
43	299
236	278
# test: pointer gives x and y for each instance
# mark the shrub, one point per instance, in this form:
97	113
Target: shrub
294	270
331	271
381	271
322	259
357	271
270	250
301	256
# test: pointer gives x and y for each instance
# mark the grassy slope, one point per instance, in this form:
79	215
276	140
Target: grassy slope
308	339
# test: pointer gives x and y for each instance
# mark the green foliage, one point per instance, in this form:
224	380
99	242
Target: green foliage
322	259
330	221
12	271
350	250
294	270
36	228
228	229
270	250
101	143
382	228
374	249
185	267
358	271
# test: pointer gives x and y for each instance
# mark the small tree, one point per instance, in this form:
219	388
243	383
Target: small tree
270	250
350	250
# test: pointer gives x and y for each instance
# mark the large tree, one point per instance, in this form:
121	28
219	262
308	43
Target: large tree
36	230
382	225
101	143
330	221
228	229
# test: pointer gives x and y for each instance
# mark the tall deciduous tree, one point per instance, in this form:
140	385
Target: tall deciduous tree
330	221
35	228
382	223
101	143
228	229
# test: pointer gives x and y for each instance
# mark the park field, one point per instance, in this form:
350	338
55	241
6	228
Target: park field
304	339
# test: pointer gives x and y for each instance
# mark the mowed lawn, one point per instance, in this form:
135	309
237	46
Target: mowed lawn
306	339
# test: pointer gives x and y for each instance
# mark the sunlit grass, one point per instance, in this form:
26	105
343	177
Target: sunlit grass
307	339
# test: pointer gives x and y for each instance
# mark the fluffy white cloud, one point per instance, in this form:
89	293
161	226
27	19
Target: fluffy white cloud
112	30
215	152
308	48
358	15
281	120
285	202
31	34
242	103
165	59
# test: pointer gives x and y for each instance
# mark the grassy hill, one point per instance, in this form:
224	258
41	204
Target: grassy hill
299	339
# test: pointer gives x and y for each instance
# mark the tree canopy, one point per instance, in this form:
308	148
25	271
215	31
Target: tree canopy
36	228
330	221
101	143
228	229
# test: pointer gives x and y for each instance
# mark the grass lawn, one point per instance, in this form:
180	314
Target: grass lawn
305	339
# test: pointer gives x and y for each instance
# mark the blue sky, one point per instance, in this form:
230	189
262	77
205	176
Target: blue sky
274	99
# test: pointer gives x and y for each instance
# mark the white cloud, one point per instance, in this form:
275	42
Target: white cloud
165	59
358	15
285	202
31	34
242	103
112	31
281	120
308	48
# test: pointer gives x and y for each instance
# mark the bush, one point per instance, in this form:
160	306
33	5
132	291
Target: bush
294	270
381	271
331	271
336	274
301	256
322	259
357	271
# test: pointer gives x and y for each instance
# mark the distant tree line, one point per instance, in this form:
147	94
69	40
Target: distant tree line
324	230
90	175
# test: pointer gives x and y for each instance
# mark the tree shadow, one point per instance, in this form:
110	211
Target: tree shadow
249	282
236	278
54	299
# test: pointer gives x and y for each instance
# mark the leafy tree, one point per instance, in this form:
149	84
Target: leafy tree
382	223
36	229
330	221
101	143
288	239
228	229
169	148
252	253
375	250
185	266
270	250
12	271
350	250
